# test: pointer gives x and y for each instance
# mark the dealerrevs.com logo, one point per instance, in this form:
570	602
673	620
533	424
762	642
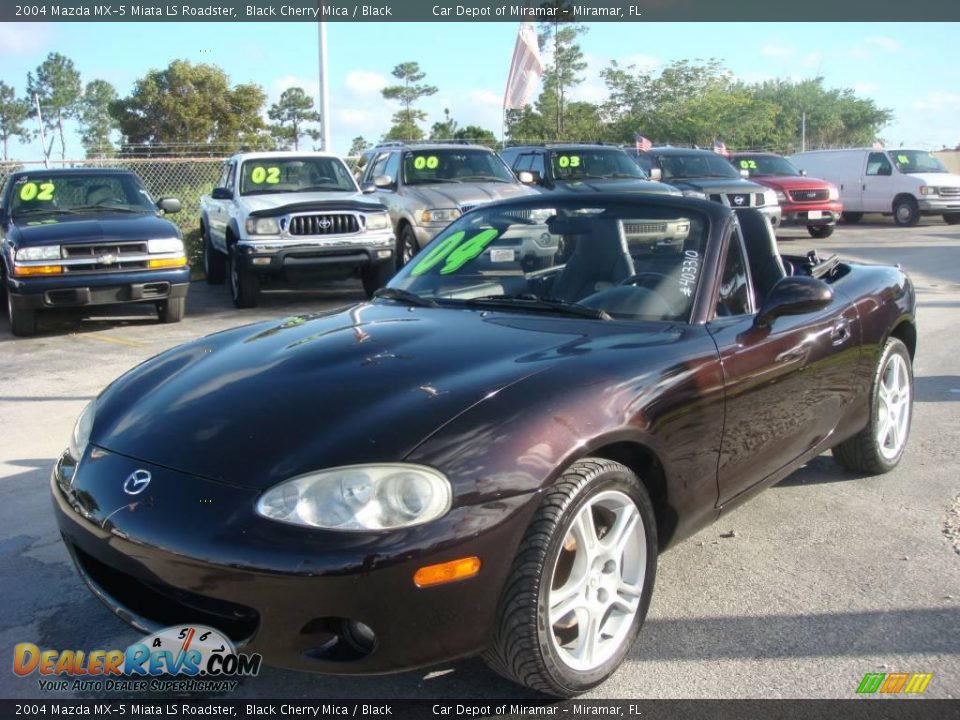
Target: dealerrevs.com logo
183	658
894	683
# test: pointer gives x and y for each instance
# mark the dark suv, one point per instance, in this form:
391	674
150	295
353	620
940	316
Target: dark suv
426	186
579	168
706	174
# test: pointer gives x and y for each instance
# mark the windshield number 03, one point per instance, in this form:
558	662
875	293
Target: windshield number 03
32	191
689	269
569	161
269	175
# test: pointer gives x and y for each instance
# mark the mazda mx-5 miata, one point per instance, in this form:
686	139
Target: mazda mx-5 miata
486	458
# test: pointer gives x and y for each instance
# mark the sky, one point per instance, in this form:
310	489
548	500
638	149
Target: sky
905	67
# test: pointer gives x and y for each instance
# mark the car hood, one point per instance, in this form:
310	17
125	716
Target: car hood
938	179
728	185
469	194
268	202
262	403
790	182
617	185
90	227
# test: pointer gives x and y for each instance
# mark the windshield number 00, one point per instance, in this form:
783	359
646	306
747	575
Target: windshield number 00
421	162
32	191
260	175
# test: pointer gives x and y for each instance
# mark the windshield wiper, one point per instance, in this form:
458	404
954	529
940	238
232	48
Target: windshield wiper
107	208
483	178
535	302
431	181
323	188
42	211
404	296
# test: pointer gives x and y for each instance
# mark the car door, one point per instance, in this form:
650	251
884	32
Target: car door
388	163
784	385
878	183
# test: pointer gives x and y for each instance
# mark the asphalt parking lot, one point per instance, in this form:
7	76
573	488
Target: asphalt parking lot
824	578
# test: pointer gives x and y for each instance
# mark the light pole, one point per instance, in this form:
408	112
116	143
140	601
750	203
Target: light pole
324	91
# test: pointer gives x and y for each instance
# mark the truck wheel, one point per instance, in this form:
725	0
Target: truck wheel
407	246
852	217
214	264
951	218
581	583
23	321
905	211
820	231
172	309
244	286
376	276
879	446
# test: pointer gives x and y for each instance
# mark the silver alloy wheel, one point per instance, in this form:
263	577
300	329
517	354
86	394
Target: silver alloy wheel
893	401
408	251
597	581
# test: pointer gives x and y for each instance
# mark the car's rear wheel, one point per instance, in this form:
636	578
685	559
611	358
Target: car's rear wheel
951	218
852	217
820	231
407	246
580	586
23	321
879	446
244	286
172	310
376	276
905	211
214	264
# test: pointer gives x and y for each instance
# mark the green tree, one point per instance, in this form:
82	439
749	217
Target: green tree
478	135
188	105
96	122
445	130
291	113
562	73
13	114
57	85
358	146
405	120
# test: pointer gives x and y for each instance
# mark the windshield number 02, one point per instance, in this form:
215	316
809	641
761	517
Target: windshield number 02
260	175
32	191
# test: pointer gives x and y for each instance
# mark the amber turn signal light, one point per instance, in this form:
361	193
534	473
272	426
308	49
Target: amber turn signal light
21	270
167	262
447	572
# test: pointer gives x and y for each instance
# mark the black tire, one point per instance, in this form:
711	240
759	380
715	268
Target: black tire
906	213
376	276
863	452
951	218
214	263
407	246
23	321
851	218
172	310
525	647
820	231
244	286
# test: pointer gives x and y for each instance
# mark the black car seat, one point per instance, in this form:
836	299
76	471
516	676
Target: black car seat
600	260
763	256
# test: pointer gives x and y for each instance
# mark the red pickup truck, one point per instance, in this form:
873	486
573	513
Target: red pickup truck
803	200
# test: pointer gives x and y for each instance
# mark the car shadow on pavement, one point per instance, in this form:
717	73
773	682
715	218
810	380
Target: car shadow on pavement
822	469
936	388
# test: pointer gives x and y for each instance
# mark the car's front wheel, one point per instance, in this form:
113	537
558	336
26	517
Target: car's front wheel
906	213
214	264
879	446
407	246
820	231
23	321
579	588
244	286
172	310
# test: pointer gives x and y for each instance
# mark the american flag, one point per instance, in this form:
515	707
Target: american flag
720	148
641	143
526	67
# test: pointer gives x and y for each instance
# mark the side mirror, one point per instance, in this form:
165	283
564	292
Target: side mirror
368	187
795	295
744	173
222	193
803	172
529	177
383	181
169	205
656	174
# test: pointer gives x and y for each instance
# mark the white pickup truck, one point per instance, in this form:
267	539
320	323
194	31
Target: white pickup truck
295	217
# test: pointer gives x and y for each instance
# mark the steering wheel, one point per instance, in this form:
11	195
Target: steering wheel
678	299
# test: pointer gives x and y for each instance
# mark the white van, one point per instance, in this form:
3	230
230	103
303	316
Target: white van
904	183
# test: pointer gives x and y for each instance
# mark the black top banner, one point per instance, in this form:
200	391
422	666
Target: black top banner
438	11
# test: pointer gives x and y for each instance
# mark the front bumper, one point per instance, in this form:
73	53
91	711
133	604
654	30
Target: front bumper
193	550
83	290
800	214
937	206
772	212
279	256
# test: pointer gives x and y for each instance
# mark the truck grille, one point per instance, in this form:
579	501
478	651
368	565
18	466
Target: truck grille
330	224
950	192
809	195
110	257
648	228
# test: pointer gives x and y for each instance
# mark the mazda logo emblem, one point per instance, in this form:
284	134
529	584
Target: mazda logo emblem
136	482
324	223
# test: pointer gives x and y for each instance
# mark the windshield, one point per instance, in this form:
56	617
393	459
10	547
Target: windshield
77	192
292	175
765	165
696	165
608	260
583	164
916	161
426	167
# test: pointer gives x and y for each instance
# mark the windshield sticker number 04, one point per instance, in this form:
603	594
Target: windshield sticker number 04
431	163
455	251
260	175
565	161
32	191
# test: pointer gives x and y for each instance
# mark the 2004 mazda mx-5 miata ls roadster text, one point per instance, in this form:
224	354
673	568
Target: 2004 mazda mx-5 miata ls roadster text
489	455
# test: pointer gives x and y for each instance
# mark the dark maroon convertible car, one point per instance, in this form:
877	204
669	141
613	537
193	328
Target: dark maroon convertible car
489	456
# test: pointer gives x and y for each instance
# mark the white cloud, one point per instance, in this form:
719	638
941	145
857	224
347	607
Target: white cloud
311	87
24	38
812	60
364	83
778	51
883	42
938	101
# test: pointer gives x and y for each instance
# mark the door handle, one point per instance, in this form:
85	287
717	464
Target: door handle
840	333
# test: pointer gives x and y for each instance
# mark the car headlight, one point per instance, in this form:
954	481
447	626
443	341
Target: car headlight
929	190
441	215
263	226
834	194
80	437
360	498
41	252
781	196
377	221
694	194
165	245
773	197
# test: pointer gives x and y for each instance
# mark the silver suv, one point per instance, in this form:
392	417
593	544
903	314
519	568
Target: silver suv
426	186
